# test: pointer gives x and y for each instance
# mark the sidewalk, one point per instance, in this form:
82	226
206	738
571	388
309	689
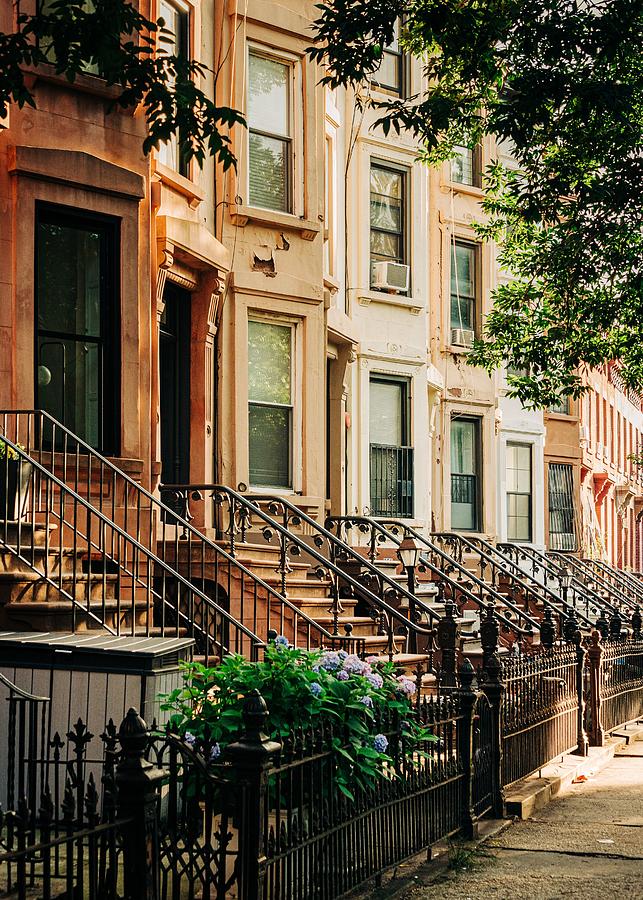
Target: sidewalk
586	845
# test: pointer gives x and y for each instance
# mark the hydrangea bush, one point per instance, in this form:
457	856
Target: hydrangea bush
302	689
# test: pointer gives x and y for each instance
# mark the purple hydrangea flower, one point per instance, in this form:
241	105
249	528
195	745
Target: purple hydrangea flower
215	752
282	642
189	739
330	661
342	675
367	701
375	680
342	654
405	685
380	743
316	689
355	665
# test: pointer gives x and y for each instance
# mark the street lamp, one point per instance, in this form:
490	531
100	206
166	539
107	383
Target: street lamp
409	553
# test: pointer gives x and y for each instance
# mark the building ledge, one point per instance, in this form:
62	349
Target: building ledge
414	305
180	184
88	84
240	215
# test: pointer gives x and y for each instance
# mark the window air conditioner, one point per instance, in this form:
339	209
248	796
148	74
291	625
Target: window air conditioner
462	337
390	276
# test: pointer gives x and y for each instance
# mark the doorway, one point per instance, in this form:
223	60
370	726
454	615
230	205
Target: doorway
174	385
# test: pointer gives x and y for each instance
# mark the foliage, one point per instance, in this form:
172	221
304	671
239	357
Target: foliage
113	40
302	689
560	82
7	452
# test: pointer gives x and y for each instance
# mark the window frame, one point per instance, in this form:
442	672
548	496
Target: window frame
477	422
405	384
530	448
476	298
572	510
400	67
476	169
295	448
294	176
183	45
403	172
110	314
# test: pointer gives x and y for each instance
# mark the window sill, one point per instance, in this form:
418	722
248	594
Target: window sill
414	306
180	184
88	84
241	215
467	189
455	350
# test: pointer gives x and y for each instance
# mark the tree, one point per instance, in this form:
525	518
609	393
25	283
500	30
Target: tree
112	39
562	82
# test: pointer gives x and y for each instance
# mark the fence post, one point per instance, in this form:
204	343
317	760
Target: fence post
137	782
495	691
595	656
466	700
582	742
489	633
251	757
447	634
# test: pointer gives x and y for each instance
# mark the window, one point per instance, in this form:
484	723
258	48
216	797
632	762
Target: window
44	8
518	492
466	166
562	534
465	467
175	43
270	407
76	314
387	215
390	75
270	132
464	277
562	408
391	459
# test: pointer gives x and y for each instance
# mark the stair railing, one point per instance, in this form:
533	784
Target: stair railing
197	587
531	560
598	581
239	514
501	566
378	532
617	577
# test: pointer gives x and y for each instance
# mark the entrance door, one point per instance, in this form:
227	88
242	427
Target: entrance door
174	363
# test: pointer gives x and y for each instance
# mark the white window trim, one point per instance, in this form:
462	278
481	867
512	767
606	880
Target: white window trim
295	122
530	446
296	381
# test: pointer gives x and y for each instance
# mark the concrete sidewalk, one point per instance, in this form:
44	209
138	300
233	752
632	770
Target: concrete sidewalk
585	845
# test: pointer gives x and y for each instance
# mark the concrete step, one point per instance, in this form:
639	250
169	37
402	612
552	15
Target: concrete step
30	587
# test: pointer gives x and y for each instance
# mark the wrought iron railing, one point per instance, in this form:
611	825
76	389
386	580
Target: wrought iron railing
391	480
493	566
458	584
625	582
281	524
615	598
620	683
152	572
23	745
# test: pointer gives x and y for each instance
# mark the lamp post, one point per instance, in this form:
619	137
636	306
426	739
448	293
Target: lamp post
409	553
565	580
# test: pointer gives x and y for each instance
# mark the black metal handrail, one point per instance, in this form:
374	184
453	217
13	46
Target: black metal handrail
617	577
502	565
146	515
242	508
601	585
382	531
129	568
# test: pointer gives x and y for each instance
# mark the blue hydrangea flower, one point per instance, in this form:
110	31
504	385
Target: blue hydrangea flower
330	661
342	675
342	654
282	642
380	743
375	679
367	701
316	689
355	666
215	752
189	739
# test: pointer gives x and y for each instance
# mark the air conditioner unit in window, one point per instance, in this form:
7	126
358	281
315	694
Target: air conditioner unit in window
390	276
462	337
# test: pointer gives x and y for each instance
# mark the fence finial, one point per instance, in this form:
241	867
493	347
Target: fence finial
637	623
133	736
466	674
616	626
547	630
489	633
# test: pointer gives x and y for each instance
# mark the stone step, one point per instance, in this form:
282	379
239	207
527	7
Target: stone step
38	558
23	534
302	587
362	625
30	587
58	615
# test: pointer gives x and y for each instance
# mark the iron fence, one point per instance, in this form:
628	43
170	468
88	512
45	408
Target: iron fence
539	711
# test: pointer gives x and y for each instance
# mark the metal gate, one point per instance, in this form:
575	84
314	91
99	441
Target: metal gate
482	758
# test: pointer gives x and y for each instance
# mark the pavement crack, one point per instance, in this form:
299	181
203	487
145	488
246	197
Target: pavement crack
594	854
